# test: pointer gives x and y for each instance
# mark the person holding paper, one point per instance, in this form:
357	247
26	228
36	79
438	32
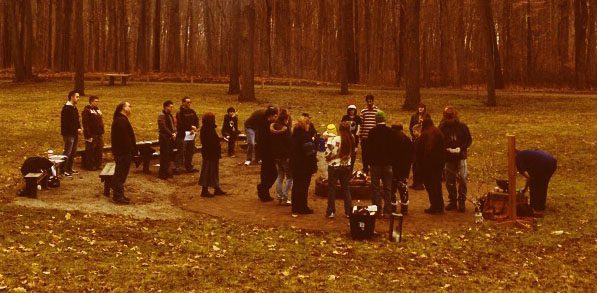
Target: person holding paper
187	125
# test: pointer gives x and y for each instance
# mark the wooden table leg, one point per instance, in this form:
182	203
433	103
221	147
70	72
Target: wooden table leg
111	80
107	185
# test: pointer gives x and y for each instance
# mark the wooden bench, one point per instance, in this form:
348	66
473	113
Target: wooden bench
112	77
31	182
106	177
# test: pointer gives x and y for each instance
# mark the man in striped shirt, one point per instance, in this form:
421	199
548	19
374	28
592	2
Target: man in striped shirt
368	116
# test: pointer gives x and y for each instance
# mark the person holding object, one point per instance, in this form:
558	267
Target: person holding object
167	137
415	127
268	172
401	167
211	151
338	155
70	128
93	131
303	164
457	139
355	123
537	167
187	125
123	150
230	130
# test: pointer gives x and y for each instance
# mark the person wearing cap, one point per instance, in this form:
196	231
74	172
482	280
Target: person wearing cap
93	132
355	122
338	156
230	129
268	172
70	128
187	122
381	147
368	116
415	126
457	139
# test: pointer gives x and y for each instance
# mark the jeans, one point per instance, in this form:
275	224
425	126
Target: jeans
121	171
93	152
456	173
283	167
341	173
250	144
384	174
70	150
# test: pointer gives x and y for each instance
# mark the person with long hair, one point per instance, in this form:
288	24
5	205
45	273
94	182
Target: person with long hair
338	156
303	164
415	127
124	147
355	121
211	151
281	144
430	152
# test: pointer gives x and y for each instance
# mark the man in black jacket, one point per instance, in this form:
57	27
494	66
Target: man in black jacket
382	142
186	121
93	131
123	149
268	173
70	128
167	137
457	139
401	167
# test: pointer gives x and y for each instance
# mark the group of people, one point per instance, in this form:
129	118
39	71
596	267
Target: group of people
287	153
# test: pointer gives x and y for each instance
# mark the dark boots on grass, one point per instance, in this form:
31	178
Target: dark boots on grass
217	191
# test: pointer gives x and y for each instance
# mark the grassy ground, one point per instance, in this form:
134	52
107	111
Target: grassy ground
41	249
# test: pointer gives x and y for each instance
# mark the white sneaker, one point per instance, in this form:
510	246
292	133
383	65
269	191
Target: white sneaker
331	215
247	163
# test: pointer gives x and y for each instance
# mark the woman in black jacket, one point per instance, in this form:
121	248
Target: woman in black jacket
211	152
281	143
303	164
431	154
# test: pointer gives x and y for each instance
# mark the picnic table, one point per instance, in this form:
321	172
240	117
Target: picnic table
112	77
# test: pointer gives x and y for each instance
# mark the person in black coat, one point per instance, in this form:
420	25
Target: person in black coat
230	129
268	172
415	127
187	121
281	144
70	128
303	163
167	138
401	167
123	149
430	152
211	151
355	121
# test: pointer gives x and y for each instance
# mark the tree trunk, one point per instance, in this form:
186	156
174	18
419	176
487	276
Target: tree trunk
27	31
247	91
487	26
66	36
157	32
401	43
563	36
412	64
173	52
580	43
234	84
348	14
344	45
142	61
443	42
16	42
529	60
124	38
506	40
79	49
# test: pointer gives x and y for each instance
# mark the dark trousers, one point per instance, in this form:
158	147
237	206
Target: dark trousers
70	150
166	156
381	176
417	176
343	175
364	156
300	190
93	152
231	142
538	189
432	178
121	172
268	175
184	156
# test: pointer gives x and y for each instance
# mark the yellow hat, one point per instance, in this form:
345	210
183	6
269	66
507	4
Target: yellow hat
331	128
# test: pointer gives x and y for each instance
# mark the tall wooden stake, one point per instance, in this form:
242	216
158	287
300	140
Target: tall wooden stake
512	176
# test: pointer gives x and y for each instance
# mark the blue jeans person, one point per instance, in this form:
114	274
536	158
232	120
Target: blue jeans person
456	175
384	174
121	172
341	173
70	149
250	144
283	167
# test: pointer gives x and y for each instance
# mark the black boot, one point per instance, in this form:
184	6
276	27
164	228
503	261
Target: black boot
461	206
205	192
451	206
219	191
404	209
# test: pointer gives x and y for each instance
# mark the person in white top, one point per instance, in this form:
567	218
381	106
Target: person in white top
338	156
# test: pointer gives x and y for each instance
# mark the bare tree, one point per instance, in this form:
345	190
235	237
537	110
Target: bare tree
157	32
412	55
247	90
79	49
234	84
580	42
487	25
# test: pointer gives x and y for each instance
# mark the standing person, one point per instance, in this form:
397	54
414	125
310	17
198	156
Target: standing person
415	127
381	147
268	172
70	128
251	125
401	167
368	117
187	125
93	131
302	165
430	152
281	144
355	123
338	155
211	152
537	167
230	129
123	150
457	139
167	137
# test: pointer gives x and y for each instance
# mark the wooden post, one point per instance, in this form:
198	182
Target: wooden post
512	176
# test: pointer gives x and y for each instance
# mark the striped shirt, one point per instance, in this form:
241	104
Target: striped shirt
368	117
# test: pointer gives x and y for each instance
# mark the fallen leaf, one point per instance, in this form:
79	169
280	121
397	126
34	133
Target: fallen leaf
332	278
67	216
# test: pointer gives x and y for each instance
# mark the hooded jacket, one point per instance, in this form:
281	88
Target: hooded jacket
281	141
456	135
